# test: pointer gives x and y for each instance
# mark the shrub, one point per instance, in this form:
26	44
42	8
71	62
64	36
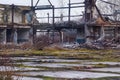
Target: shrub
2	46
26	45
41	41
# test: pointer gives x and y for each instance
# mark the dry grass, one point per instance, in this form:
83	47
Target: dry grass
40	42
55	47
6	68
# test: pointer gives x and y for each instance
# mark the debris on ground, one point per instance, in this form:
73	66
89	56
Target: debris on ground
103	44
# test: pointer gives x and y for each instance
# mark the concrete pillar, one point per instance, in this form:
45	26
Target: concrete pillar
87	34
15	37
102	34
5	36
31	35
61	36
2	36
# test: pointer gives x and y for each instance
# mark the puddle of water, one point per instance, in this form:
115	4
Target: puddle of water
26	69
23	58
32	58
9	68
109	63
47	61
54	65
71	74
26	78
58	60
107	69
42	59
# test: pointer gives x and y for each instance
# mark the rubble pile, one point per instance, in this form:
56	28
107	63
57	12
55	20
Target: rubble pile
103	44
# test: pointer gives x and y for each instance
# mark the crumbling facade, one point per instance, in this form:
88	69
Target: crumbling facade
92	27
96	27
15	24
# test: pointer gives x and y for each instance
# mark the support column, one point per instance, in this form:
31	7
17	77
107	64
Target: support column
87	34
5	36
53	24
2	36
102	34
12	28
61	36
89	5
69	12
15	37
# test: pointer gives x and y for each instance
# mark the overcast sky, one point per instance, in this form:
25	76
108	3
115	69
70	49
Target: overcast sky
28	2
42	13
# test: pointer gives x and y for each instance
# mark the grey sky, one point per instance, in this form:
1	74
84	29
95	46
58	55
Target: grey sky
56	3
28	2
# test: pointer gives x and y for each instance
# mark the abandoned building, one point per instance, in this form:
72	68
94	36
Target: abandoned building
15	24
91	27
97	26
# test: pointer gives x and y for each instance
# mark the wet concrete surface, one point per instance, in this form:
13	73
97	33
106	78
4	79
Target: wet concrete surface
37	65
10	68
26	78
109	63
114	69
71	74
54	65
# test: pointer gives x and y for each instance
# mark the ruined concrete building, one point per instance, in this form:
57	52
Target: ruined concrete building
93	26
15	24
96	26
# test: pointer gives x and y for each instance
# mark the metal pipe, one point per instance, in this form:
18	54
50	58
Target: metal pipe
31	3
37	3
50	2
53	22
48	17
53	16
69	11
37	8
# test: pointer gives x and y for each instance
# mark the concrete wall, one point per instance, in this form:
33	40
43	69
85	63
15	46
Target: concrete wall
17	17
18	36
2	36
1	17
